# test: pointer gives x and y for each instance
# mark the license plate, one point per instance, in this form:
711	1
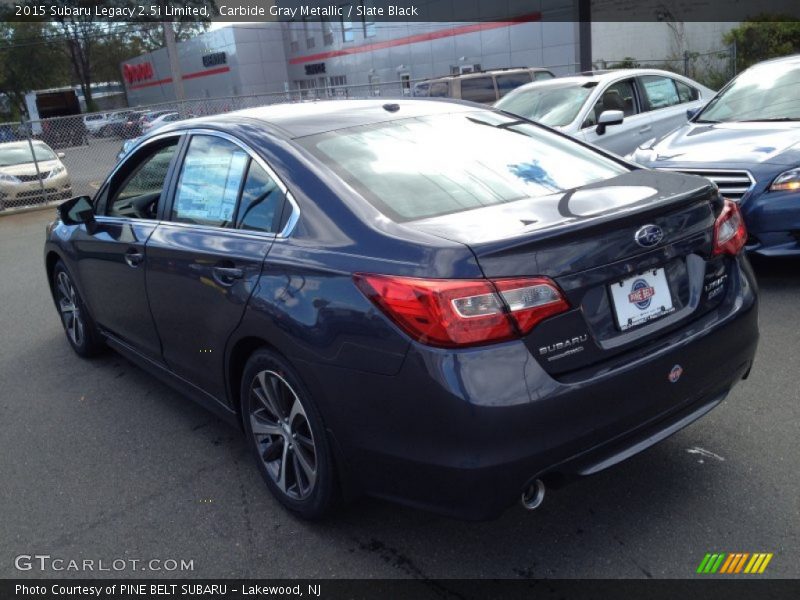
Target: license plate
642	298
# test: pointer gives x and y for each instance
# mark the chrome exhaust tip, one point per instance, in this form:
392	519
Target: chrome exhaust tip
533	496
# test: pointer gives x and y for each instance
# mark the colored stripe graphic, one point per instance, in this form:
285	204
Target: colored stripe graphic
733	563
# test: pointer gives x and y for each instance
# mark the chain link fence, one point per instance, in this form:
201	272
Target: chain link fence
713	68
50	160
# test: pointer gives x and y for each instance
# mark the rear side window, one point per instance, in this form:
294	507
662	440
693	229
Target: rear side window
509	81
478	89
424	167
209	183
660	92
262	200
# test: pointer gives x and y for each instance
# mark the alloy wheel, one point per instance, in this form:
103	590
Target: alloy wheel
282	435
69	309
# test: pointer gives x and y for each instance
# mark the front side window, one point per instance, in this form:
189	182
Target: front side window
686	93
209	183
429	166
660	92
144	175
617	96
509	81
478	89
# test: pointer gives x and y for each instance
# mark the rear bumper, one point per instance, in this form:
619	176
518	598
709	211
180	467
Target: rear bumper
462	433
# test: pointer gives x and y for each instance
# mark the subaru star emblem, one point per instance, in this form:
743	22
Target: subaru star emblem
675	373
649	235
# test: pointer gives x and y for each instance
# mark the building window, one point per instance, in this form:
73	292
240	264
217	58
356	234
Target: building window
347	26
405	84
309	33
294	45
367	22
374	85
327	31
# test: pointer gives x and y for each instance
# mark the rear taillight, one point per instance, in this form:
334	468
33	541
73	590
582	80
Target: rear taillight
463	312
730	233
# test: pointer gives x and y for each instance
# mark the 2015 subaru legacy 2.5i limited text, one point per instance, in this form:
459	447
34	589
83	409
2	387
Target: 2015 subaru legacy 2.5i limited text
427	301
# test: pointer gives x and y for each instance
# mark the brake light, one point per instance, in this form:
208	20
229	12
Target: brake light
730	233
452	313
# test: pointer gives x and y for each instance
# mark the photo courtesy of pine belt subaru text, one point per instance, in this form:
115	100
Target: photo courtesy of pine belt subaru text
428	301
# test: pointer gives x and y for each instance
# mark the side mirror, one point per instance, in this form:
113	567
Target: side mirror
691	113
60	154
609	117
77	211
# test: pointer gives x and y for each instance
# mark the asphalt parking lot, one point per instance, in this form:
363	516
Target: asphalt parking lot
100	461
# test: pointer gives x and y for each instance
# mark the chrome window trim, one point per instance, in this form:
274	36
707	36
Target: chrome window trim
290	222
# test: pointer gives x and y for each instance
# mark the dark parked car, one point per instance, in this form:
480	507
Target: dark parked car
424	300
747	141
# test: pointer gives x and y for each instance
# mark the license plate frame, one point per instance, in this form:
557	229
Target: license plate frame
641	298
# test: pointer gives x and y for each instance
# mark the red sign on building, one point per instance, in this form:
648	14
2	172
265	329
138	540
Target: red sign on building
138	72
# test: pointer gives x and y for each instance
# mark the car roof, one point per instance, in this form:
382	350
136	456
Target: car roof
485	72
792	58
598	77
300	119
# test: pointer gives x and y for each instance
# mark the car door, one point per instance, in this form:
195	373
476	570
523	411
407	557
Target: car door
635	128
111	256
204	259
666	100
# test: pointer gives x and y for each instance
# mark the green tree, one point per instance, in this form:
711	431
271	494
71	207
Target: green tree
30	59
763	37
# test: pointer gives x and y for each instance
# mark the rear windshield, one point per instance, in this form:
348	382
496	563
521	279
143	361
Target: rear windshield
429	166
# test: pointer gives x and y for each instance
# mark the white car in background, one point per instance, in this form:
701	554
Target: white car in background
95	122
617	110
163	119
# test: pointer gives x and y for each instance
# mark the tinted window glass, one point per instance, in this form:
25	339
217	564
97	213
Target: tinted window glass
618	96
261	201
686	93
209	184
659	91
477	89
440	89
509	81
421	89
542	75
423	167
139	194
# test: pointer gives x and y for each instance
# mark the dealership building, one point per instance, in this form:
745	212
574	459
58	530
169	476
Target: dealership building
277	56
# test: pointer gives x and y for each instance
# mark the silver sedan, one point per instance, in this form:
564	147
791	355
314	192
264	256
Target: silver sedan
617	110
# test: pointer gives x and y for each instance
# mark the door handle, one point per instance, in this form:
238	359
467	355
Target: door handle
227	276
133	257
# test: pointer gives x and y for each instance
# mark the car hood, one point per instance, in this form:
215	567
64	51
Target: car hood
753	143
29	168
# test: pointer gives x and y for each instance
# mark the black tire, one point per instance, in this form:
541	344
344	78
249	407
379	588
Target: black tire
280	442
82	333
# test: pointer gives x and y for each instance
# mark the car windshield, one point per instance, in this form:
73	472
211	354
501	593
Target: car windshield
555	105
429	166
764	93
19	154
